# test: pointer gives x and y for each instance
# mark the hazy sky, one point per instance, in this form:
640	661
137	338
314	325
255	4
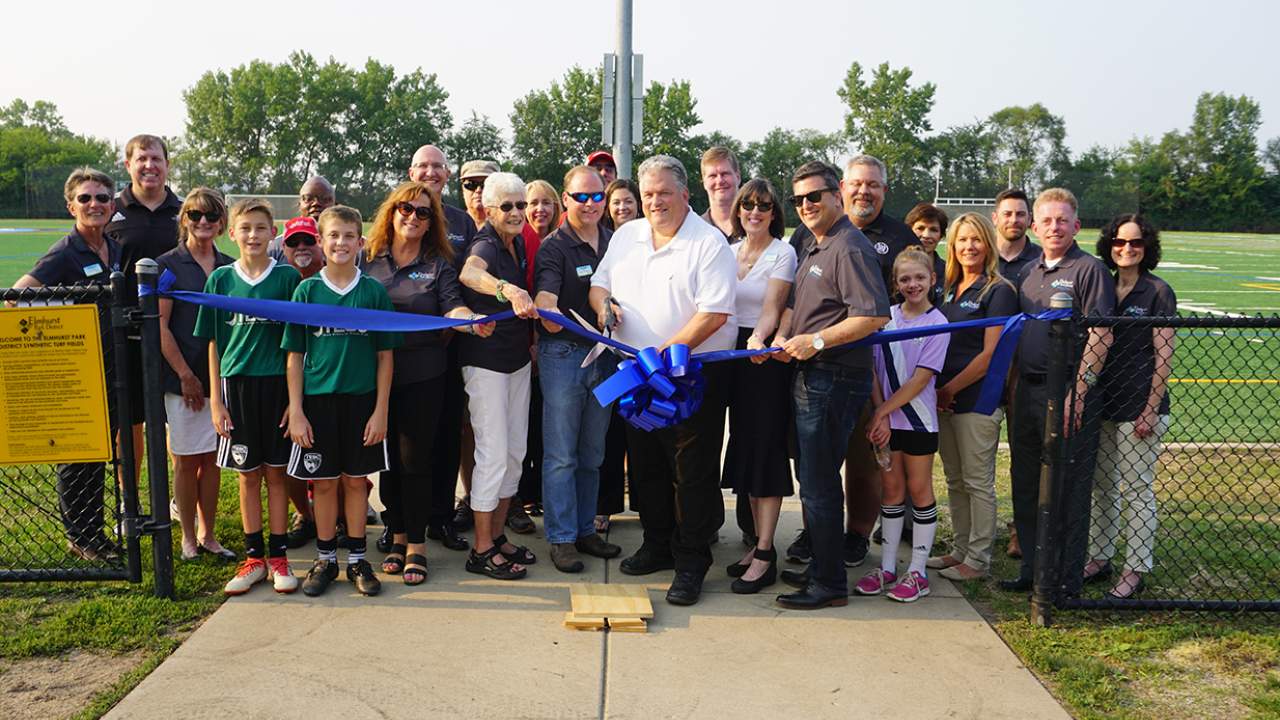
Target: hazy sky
1112	69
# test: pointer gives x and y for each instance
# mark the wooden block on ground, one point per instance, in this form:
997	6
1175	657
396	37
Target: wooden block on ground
611	601
580	622
628	625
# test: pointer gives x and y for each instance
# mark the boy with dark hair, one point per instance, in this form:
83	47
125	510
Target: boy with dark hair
339	385
248	396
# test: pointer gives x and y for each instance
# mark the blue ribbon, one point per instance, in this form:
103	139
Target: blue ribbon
653	390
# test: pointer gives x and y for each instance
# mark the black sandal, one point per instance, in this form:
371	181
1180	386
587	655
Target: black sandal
415	564
483	564
1102	573
737	569
521	554
393	563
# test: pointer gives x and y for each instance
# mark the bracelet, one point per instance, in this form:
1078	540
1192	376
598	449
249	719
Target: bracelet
498	293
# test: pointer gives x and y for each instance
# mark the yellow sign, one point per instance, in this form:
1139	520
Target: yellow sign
53	389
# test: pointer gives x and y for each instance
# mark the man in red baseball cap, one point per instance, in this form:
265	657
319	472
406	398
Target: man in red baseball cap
299	245
602	162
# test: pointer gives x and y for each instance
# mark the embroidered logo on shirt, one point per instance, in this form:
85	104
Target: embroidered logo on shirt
815	270
416	275
970	305
1063	283
118	216
882	248
1135	310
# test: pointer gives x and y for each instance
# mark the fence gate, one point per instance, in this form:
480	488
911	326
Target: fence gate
1187	497
63	519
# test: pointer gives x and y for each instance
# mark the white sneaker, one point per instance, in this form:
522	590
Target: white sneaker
250	572
282	578
174	515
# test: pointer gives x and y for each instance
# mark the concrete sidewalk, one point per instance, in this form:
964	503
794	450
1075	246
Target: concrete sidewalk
464	646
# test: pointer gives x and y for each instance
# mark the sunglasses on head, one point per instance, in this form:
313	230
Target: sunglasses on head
473	185
406	209
84	198
762	206
507	206
212	216
814	197
583	197
297	239
1137	243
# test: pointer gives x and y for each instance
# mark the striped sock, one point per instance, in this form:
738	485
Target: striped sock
891	519
925	523
327	549
355	550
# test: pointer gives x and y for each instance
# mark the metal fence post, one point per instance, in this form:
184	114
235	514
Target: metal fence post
157	460
127	460
1051	467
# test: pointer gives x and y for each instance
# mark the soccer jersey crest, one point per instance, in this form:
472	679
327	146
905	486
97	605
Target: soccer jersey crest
239	453
311	461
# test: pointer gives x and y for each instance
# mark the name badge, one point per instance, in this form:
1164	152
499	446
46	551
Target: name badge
94	269
584	271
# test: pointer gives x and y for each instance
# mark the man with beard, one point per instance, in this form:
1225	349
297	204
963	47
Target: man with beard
1011	217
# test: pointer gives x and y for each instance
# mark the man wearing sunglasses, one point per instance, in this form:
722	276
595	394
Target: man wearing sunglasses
473	175
671	278
838	297
431	166
300	245
315	195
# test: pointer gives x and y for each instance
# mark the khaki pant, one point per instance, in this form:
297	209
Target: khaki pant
967	443
1124	499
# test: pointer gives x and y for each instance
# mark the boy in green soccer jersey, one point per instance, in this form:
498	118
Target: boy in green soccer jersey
339	383
249	397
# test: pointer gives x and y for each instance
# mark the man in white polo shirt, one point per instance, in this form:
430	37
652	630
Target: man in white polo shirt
670	278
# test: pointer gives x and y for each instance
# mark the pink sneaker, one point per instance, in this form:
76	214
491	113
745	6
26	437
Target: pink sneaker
913	587
874	582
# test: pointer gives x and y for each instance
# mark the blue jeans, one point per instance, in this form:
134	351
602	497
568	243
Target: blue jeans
573	431
827	399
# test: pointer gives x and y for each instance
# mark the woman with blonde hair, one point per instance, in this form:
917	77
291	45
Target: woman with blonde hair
409	253
973	289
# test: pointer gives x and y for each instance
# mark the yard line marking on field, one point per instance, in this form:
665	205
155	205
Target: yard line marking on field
1262	286
1226	381
1272	279
1187	266
1207	308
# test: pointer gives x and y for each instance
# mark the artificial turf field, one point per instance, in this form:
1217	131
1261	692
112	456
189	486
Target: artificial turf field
1227	382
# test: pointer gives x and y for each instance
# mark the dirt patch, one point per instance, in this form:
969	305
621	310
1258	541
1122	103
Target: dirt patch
1206	679
59	687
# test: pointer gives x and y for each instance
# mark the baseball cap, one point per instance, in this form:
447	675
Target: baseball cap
305	225
479	168
600	156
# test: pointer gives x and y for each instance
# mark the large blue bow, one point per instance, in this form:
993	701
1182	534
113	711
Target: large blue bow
655	390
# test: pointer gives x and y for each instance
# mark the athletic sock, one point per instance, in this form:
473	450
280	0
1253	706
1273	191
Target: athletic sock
277	545
355	550
327	549
253	544
925	523
891	519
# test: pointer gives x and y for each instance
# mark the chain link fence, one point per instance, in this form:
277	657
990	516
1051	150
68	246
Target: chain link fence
1161	483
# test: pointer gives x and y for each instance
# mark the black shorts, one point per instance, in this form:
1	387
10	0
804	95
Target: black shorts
337	434
913	442
256	405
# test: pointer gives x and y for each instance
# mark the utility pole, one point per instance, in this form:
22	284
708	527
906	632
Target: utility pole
623	102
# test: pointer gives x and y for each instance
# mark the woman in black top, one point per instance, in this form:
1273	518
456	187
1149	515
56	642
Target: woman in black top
973	289
409	253
497	374
1134	386
86	256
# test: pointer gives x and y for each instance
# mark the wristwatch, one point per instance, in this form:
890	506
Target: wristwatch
818	342
498	293
1089	377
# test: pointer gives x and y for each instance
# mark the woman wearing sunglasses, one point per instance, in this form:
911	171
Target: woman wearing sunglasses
756	462
409	253
1135	394
192	439
496	372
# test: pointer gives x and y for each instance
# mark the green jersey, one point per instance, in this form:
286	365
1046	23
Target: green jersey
337	360
247	345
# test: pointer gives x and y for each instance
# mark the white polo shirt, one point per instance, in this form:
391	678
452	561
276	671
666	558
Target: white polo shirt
660	291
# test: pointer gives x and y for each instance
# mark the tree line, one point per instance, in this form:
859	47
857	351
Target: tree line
264	127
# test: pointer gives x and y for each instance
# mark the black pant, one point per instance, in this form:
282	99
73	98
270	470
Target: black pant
406	487
613	473
1026	430
80	489
447	447
530	489
677	470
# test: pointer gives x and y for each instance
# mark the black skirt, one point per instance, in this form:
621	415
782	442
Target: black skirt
756	461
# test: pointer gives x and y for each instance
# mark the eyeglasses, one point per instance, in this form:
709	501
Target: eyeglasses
194	216
506	207
423	212
84	198
473	185
297	239
814	197
583	197
750	205
1137	243
429	166
321	199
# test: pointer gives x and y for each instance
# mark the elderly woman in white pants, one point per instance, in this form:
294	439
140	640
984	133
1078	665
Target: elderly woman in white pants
496	371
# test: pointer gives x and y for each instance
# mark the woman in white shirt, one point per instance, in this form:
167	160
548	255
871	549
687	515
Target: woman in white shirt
756	461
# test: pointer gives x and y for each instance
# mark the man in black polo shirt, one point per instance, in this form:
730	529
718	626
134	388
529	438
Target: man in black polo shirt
1011	217
145	222
431	166
1063	267
838	297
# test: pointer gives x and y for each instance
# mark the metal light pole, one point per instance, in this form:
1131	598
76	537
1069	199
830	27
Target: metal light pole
622	106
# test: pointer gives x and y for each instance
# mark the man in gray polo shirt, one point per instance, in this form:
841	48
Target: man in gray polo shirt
838	297
1063	267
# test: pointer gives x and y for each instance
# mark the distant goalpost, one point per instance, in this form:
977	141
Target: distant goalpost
283	207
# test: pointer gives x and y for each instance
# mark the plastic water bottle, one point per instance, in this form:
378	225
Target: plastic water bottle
883	458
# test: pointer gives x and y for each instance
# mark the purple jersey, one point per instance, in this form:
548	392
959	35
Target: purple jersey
896	362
